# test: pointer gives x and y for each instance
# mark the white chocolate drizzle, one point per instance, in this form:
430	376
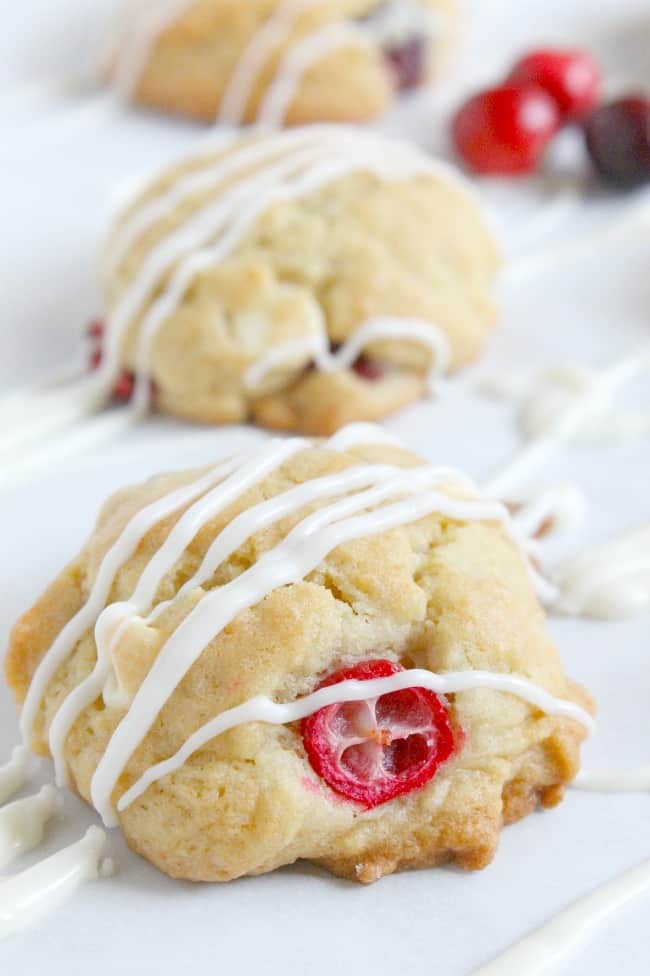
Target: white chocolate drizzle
543	950
568	404
316	348
556	508
262	709
13	773
301	57
22	824
360	501
27	897
633	780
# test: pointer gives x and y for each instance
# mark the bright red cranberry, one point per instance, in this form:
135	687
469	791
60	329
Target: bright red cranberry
572	78
373	751
618	140
124	386
504	131
367	369
408	63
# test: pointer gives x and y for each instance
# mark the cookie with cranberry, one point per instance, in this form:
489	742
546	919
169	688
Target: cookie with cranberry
303	279
336	589
338	60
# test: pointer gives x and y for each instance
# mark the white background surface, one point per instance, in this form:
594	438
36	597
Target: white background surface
57	170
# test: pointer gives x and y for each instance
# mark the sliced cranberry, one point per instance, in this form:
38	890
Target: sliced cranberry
408	63
618	140
572	78
504	131
374	751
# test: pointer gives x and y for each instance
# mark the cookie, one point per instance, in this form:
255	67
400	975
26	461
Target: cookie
319	650
278	62
303	280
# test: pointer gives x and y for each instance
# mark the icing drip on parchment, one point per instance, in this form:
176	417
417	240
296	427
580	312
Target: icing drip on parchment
607	581
548	947
565	405
632	780
41	889
560	407
22	824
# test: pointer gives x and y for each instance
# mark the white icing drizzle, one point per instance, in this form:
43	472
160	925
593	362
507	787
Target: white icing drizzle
543	950
116	618
585	406
22	824
607	581
262	709
302	56
633	780
559	508
120	552
268	38
13	773
299	352
26	897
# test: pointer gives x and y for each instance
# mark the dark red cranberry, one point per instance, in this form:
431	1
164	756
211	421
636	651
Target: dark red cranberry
572	78
96	357
367	369
618	140
505	130
408	63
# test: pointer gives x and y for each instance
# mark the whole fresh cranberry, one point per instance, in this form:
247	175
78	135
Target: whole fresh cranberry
618	140
505	130
571	77
373	751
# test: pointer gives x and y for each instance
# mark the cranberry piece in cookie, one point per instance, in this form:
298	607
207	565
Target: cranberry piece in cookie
367	369
124	387
374	751
572	78
408	63
618	140
504	131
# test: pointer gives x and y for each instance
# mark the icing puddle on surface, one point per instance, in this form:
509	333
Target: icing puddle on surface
553	943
